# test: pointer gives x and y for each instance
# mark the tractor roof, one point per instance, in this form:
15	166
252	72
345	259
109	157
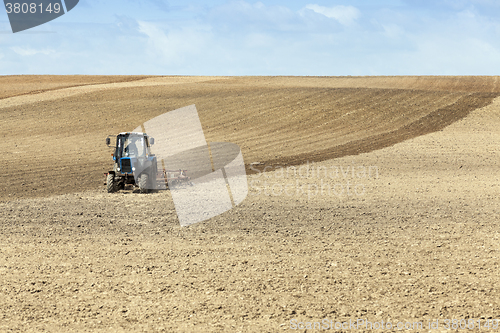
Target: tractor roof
133	133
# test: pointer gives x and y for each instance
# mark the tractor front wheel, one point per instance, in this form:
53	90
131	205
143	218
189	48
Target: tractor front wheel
143	183
110	183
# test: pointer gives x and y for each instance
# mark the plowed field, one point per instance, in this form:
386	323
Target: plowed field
394	215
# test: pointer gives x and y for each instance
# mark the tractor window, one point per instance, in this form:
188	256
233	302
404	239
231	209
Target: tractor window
133	147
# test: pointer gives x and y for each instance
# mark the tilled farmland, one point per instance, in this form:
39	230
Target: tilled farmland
371	198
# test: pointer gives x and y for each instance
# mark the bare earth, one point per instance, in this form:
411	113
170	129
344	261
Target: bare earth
391	216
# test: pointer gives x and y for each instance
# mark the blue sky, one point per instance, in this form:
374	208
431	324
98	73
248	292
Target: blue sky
313	37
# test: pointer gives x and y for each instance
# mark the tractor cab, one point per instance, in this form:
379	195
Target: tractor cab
130	149
133	162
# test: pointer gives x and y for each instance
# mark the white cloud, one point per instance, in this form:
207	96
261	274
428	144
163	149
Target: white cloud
27	51
346	15
242	15
260	40
393	31
174	45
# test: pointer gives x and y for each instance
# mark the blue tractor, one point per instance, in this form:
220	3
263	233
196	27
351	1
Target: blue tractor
134	164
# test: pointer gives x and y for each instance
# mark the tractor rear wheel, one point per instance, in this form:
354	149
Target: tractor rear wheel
144	182
152	182
110	183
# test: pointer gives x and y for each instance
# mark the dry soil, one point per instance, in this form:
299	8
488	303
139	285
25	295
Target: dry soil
390	215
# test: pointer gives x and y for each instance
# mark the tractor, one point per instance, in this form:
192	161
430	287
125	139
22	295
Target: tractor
134	164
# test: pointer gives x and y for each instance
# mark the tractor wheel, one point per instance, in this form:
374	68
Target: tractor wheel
110	183
152	182
144	182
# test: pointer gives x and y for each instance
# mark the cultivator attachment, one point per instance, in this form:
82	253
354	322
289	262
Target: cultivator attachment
165	177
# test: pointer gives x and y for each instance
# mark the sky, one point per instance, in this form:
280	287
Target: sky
276	37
